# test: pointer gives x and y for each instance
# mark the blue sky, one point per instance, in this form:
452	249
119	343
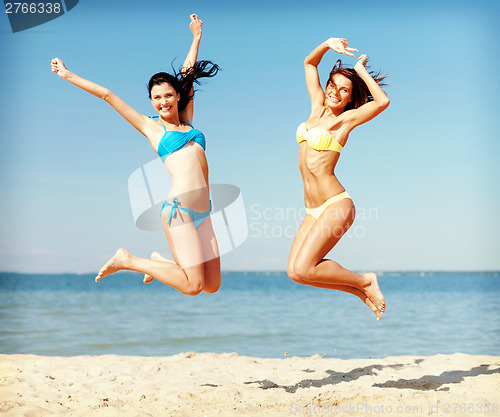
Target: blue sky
424	175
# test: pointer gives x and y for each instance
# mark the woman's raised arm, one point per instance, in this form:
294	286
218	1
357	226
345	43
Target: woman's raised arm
142	123
196	28
312	61
373	108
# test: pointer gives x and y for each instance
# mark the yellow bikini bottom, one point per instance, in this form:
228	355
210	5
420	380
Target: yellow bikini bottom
317	211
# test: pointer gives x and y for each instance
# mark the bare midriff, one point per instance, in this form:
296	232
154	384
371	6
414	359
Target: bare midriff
317	169
188	169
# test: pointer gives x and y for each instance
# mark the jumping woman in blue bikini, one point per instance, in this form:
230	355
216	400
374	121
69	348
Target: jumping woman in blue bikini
352	97
185	216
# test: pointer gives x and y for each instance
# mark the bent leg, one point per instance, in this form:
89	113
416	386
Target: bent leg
301	235
185	275
323	235
211	259
184	280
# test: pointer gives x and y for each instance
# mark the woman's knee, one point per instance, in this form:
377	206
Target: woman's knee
291	273
194	283
193	288
212	280
298	272
212	285
302	271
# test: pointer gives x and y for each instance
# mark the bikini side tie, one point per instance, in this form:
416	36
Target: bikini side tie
173	210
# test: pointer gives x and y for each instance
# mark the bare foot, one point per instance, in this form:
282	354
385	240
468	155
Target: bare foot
155	256
116	263
373	292
373	308
363	297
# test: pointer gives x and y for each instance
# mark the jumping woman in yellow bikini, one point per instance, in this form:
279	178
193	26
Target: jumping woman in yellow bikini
185	215
352	97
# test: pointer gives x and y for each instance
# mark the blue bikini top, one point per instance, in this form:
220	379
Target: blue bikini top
173	140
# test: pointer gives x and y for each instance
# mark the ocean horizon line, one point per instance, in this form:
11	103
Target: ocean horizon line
278	272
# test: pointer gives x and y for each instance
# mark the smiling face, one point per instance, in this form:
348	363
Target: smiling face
338	92
164	99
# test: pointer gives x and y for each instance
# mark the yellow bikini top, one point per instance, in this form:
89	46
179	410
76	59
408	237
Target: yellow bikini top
318	138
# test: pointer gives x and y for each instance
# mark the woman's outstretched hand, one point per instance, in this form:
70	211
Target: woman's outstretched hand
361	63
340	45
196	25
58	67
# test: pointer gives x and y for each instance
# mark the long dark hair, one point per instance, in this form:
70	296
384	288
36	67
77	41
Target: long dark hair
360	93
183	81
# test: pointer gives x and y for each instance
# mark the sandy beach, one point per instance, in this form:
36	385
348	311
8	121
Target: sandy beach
208	384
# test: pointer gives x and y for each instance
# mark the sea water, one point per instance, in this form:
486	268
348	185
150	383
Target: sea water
254	314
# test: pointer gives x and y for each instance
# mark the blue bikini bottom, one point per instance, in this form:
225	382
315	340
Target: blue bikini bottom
196	216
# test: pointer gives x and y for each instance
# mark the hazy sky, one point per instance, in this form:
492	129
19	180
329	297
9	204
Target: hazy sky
424	175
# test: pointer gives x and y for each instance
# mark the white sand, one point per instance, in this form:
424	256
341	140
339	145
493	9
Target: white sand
208	384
